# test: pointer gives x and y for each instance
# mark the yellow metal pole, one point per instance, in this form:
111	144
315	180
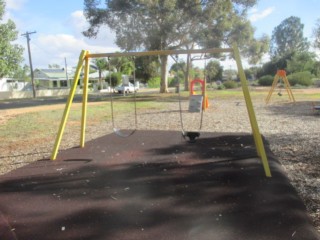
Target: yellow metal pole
67	107
84	101
288	87
252	117
204	94
161	52
274	84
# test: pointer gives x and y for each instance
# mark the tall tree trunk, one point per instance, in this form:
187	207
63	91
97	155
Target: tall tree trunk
164	74
100	79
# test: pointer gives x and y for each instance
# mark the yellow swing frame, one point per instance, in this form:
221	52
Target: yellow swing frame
84	59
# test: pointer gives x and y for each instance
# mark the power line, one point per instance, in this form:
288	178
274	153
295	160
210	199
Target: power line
27	35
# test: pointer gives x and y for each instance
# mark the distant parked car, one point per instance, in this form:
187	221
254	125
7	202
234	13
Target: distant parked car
126	88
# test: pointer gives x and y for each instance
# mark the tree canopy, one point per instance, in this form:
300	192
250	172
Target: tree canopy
316	34
10	54
22	73
100	64
288	38
213	71
146	67
179	66
301	61
172	24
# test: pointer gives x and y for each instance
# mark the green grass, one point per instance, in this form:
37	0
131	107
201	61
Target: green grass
225	94
44	124
307	97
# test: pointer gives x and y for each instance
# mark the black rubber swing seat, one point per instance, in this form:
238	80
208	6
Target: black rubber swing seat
191	135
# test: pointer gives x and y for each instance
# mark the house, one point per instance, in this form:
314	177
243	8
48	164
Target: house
53	78
94	80
10	84
95	75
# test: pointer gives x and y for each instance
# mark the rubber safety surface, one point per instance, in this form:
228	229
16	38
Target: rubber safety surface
153	185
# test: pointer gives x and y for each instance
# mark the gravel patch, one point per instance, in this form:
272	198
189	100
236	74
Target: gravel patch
292	131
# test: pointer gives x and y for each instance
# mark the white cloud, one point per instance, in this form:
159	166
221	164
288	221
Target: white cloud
11	6
15	4
256	15
53	49
79	24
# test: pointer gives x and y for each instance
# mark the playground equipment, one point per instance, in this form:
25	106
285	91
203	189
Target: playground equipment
280	75
85	57
117	131
315	107
197	103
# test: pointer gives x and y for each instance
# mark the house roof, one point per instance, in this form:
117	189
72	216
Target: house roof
51	74
95	75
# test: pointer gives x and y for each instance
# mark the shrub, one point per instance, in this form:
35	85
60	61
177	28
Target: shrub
221	87
172	82
265	80
316	82
116	79
230	84
301	78
212	85
154	82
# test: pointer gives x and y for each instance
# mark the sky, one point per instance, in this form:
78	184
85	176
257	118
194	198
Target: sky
58	25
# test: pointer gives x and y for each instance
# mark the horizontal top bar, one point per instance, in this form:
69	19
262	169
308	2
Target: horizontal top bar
160	52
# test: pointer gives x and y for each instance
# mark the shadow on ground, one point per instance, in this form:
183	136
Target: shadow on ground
298	109
153	185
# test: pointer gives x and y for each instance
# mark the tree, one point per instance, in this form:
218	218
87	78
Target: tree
288	38
22	73
178	66
316	69
178	69
316	34
271	67
122	64
230	75
252	72
100	64
147	67
213	71
257	48
166	24
54	66
301	62
11	54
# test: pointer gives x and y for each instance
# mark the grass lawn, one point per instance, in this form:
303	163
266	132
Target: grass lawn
45	123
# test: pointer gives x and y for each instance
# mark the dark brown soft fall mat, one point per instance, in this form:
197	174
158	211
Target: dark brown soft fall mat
153	185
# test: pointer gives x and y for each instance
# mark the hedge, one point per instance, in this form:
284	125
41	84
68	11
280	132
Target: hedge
301	78
266	80
230	84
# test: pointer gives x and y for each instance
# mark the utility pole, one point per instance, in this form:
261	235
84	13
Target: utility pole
30	61
66	67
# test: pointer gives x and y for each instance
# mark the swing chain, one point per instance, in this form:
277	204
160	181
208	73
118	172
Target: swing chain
116	130
192	135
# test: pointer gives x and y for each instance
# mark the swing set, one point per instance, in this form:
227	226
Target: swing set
84	59
280	75
116	130
197	103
